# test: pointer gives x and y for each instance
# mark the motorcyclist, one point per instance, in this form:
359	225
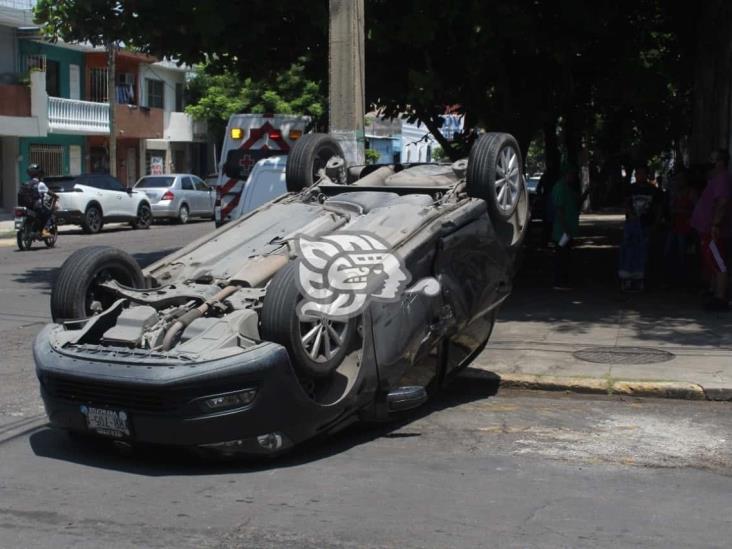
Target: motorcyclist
33	195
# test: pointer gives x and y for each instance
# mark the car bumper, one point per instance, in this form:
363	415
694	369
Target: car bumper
164	209
162	402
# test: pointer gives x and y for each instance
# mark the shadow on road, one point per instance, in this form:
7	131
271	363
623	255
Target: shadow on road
469	386
45	277
664	313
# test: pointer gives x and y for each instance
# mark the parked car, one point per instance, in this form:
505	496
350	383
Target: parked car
265	182
93	199
178	196
347	298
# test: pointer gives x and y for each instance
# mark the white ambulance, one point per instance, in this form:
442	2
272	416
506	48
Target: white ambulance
250	138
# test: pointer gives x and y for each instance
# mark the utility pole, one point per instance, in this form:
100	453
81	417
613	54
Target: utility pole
112	99
347	97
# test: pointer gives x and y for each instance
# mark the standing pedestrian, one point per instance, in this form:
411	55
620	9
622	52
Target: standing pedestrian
565	200
712	219
641	214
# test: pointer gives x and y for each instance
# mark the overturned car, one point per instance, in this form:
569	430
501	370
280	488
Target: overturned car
353	296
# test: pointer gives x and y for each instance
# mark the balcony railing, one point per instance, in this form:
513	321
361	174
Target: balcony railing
77	117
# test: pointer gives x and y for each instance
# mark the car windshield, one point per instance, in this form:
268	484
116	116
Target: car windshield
155	182
532	183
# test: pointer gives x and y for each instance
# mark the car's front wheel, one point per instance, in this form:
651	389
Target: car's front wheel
92	221
317	346
77	294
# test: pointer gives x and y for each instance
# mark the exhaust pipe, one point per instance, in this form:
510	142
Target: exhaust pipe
255	274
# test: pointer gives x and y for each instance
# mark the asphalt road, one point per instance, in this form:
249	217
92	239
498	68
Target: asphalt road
472	469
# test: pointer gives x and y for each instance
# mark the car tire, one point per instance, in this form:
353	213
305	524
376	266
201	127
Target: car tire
489	156
309	155
144	217
495	173
184	214
93	220
280	324
75	291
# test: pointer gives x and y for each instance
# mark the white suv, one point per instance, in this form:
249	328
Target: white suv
90	200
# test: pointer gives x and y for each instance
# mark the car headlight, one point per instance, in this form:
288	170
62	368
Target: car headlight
227	401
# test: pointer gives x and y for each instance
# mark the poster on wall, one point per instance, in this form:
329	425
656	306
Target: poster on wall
156	165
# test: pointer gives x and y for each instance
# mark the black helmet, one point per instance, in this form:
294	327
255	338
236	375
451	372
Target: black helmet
34	171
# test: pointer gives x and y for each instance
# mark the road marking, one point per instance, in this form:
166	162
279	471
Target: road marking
22	427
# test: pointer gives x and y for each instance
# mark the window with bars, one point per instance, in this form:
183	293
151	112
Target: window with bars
155	91
98	85
48	157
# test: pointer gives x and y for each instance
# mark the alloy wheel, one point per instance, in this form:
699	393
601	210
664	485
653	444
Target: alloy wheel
508	179
322	338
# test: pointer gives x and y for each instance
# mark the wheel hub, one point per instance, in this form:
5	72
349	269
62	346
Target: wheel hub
322	338
508	179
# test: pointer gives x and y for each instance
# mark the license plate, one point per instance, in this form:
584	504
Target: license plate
112	423
18	224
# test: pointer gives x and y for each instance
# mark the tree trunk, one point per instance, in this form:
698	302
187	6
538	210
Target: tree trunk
432	123
112	99
712	82
552	156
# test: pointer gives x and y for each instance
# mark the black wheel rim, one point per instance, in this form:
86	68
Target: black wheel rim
145	217
93	219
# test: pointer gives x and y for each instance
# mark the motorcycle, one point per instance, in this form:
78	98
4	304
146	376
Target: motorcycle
28	228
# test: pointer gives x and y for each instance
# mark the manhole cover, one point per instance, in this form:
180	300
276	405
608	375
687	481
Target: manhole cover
623	355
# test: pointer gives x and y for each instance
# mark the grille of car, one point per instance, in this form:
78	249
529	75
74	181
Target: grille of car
115	395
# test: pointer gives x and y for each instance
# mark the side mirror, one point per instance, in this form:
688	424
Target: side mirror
129	190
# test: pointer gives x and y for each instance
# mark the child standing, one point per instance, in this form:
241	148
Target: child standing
641	213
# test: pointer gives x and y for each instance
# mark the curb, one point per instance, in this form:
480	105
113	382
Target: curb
656	389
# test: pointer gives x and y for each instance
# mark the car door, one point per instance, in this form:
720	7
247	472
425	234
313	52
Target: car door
125	202
204	196
188	193
101	193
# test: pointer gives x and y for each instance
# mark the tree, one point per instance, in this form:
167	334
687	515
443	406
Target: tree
612	74
372	156
215	96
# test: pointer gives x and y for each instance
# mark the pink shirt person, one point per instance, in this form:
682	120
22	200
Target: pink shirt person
718	187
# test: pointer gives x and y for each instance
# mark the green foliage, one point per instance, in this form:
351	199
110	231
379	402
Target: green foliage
214	97
617	72
372	156
534	161
438	155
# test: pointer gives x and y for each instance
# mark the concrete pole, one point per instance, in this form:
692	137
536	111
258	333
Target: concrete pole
112	98
347	97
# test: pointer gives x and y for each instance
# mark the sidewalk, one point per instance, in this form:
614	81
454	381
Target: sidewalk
596	339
